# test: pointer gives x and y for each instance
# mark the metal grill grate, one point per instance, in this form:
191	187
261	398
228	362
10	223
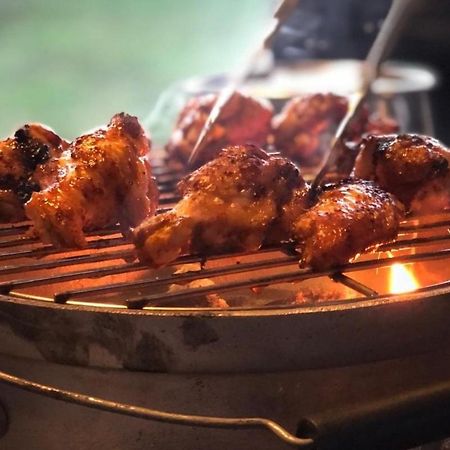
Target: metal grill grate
105	272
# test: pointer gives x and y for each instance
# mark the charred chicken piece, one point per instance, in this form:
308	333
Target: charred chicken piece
228	205
244	120
27	164
102	179
348	218
412	167
304	128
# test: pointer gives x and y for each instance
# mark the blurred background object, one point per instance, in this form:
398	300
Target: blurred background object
329	29
74	64
341	29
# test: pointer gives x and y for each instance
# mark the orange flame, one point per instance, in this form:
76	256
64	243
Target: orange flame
401	280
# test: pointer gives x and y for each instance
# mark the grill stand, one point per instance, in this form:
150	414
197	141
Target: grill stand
357	402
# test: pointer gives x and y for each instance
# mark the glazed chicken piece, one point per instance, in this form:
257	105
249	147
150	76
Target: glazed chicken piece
244	120
412	167
347	219
102	179
227	205
27	164
304	128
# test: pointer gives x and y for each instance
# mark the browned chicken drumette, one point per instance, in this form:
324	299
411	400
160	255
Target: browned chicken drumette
244	120
227	205
347	219
304	128
103	179
412	167
27	164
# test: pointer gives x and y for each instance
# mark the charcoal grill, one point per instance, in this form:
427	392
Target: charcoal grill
98	307
22	258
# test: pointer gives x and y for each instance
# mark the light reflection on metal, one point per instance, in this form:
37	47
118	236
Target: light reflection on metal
155	415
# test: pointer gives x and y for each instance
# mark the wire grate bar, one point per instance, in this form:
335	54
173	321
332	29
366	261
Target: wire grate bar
353	284
108	247
50	250
411	227
8	286
179	278
28	240
210	273
414	242
13	229
120	254
23	239
159	170
72	260
298	275
128	253
126	268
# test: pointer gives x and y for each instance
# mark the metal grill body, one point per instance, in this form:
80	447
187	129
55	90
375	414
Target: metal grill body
98	306
100	310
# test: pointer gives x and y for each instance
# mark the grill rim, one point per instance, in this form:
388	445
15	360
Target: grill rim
430	292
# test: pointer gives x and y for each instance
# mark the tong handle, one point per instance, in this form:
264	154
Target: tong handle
282	12
403	421
391	29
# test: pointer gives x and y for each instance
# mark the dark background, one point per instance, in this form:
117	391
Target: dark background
327	29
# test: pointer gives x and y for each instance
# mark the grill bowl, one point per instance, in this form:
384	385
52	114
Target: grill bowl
99	307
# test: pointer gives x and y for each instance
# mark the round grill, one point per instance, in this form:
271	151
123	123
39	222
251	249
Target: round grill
105	273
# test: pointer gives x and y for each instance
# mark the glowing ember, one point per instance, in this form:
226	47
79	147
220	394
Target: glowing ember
401	280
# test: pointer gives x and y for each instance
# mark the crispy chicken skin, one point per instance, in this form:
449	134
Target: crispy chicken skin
244	120
228	205
305	126
347	219
27	162
412	167
280	232
102	179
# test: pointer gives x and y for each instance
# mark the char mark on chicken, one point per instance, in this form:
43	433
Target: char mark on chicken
348	218
414	168
27	162
103	179
227	205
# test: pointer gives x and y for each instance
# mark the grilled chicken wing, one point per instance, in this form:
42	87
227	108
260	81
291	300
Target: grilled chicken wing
227	205
102	179
414	168
348	218
244	120
27	164
304	128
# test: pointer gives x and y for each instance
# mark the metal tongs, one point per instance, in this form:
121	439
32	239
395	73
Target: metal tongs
385	40
284	9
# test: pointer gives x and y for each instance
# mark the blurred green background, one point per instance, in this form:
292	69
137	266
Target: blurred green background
73	64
